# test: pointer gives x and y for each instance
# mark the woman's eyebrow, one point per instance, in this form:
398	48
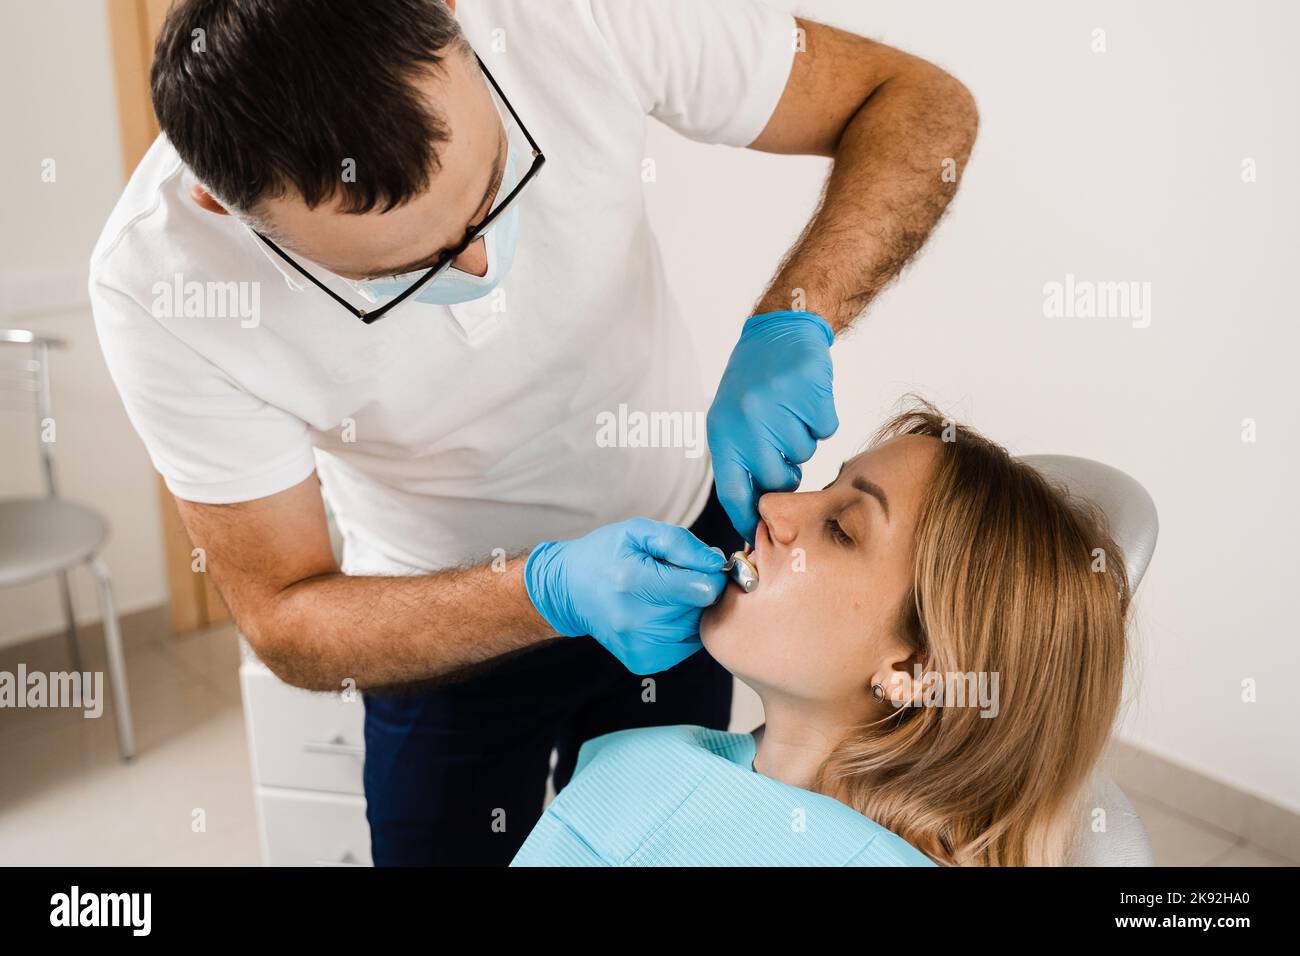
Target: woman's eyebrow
869	487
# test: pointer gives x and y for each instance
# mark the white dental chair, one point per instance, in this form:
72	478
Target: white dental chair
1131	517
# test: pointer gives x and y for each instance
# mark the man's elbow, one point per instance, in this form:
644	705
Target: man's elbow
958	110
968	109
284	652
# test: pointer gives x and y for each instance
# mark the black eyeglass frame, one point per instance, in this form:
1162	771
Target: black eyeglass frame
444	259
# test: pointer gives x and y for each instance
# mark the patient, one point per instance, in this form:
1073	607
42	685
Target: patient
931	556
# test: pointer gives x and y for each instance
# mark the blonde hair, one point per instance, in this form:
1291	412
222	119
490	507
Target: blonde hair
1006	580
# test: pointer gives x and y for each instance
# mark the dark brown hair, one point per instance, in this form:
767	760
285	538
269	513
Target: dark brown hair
266	98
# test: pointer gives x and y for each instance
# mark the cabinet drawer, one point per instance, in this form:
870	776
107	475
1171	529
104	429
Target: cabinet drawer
301	828
299	738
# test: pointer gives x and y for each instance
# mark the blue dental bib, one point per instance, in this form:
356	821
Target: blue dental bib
688	796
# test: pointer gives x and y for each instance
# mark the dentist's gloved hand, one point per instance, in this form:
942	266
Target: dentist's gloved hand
638	587
773	405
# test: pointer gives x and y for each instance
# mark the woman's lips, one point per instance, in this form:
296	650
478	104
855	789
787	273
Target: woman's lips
762	540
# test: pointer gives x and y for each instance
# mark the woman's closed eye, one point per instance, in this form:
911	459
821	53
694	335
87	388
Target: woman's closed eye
837	532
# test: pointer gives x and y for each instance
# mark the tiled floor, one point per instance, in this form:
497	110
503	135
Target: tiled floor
187	799
1180	840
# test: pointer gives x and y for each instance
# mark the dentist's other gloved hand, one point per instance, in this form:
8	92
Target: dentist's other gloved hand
638	587
773	405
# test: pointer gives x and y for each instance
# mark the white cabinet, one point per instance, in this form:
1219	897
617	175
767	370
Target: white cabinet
307	750
306	828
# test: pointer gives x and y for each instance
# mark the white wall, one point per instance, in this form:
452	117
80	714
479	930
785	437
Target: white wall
1117	166
58	102
1124	165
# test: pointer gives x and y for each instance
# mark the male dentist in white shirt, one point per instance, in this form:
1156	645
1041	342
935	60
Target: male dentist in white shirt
396	252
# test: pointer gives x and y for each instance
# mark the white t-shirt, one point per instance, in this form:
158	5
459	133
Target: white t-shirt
441	433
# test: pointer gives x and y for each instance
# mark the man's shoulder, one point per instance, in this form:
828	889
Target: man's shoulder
140	214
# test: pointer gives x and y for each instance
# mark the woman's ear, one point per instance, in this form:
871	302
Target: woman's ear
204	200
902	681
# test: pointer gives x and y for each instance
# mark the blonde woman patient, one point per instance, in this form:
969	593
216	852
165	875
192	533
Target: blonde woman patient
939	654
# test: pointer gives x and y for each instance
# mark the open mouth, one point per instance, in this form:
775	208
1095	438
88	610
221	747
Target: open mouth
744	575
742	566
744	571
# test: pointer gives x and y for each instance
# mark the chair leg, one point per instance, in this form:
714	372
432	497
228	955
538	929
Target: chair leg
70	620
116	660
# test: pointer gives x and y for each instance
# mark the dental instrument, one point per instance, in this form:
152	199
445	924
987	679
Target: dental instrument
742	569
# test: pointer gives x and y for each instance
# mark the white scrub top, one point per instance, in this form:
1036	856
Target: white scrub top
442	433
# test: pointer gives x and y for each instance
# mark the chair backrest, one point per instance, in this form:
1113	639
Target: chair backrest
25	385
1130	513
1131	519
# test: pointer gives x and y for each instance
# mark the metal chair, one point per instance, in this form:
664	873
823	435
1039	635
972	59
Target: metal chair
50	536
1131	519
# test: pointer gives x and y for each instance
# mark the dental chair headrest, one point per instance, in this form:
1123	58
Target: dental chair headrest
1129	511
1130	516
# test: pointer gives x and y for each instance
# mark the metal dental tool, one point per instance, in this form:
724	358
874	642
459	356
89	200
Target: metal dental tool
742	569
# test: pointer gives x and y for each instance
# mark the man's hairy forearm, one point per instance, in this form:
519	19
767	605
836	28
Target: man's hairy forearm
387	631
896	167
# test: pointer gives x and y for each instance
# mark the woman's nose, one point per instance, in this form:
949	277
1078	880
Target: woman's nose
779	512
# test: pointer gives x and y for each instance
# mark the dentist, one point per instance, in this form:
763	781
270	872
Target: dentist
440	210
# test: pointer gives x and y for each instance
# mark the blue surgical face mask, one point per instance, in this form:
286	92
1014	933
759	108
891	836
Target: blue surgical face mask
451	286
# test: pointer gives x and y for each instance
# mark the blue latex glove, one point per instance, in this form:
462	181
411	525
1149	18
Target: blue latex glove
773	405
638	587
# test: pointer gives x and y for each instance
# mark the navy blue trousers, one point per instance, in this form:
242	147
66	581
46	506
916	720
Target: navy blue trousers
456	775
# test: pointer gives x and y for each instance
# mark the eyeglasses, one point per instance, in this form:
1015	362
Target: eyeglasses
445	258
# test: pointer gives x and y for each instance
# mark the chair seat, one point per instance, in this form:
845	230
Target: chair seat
41	536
